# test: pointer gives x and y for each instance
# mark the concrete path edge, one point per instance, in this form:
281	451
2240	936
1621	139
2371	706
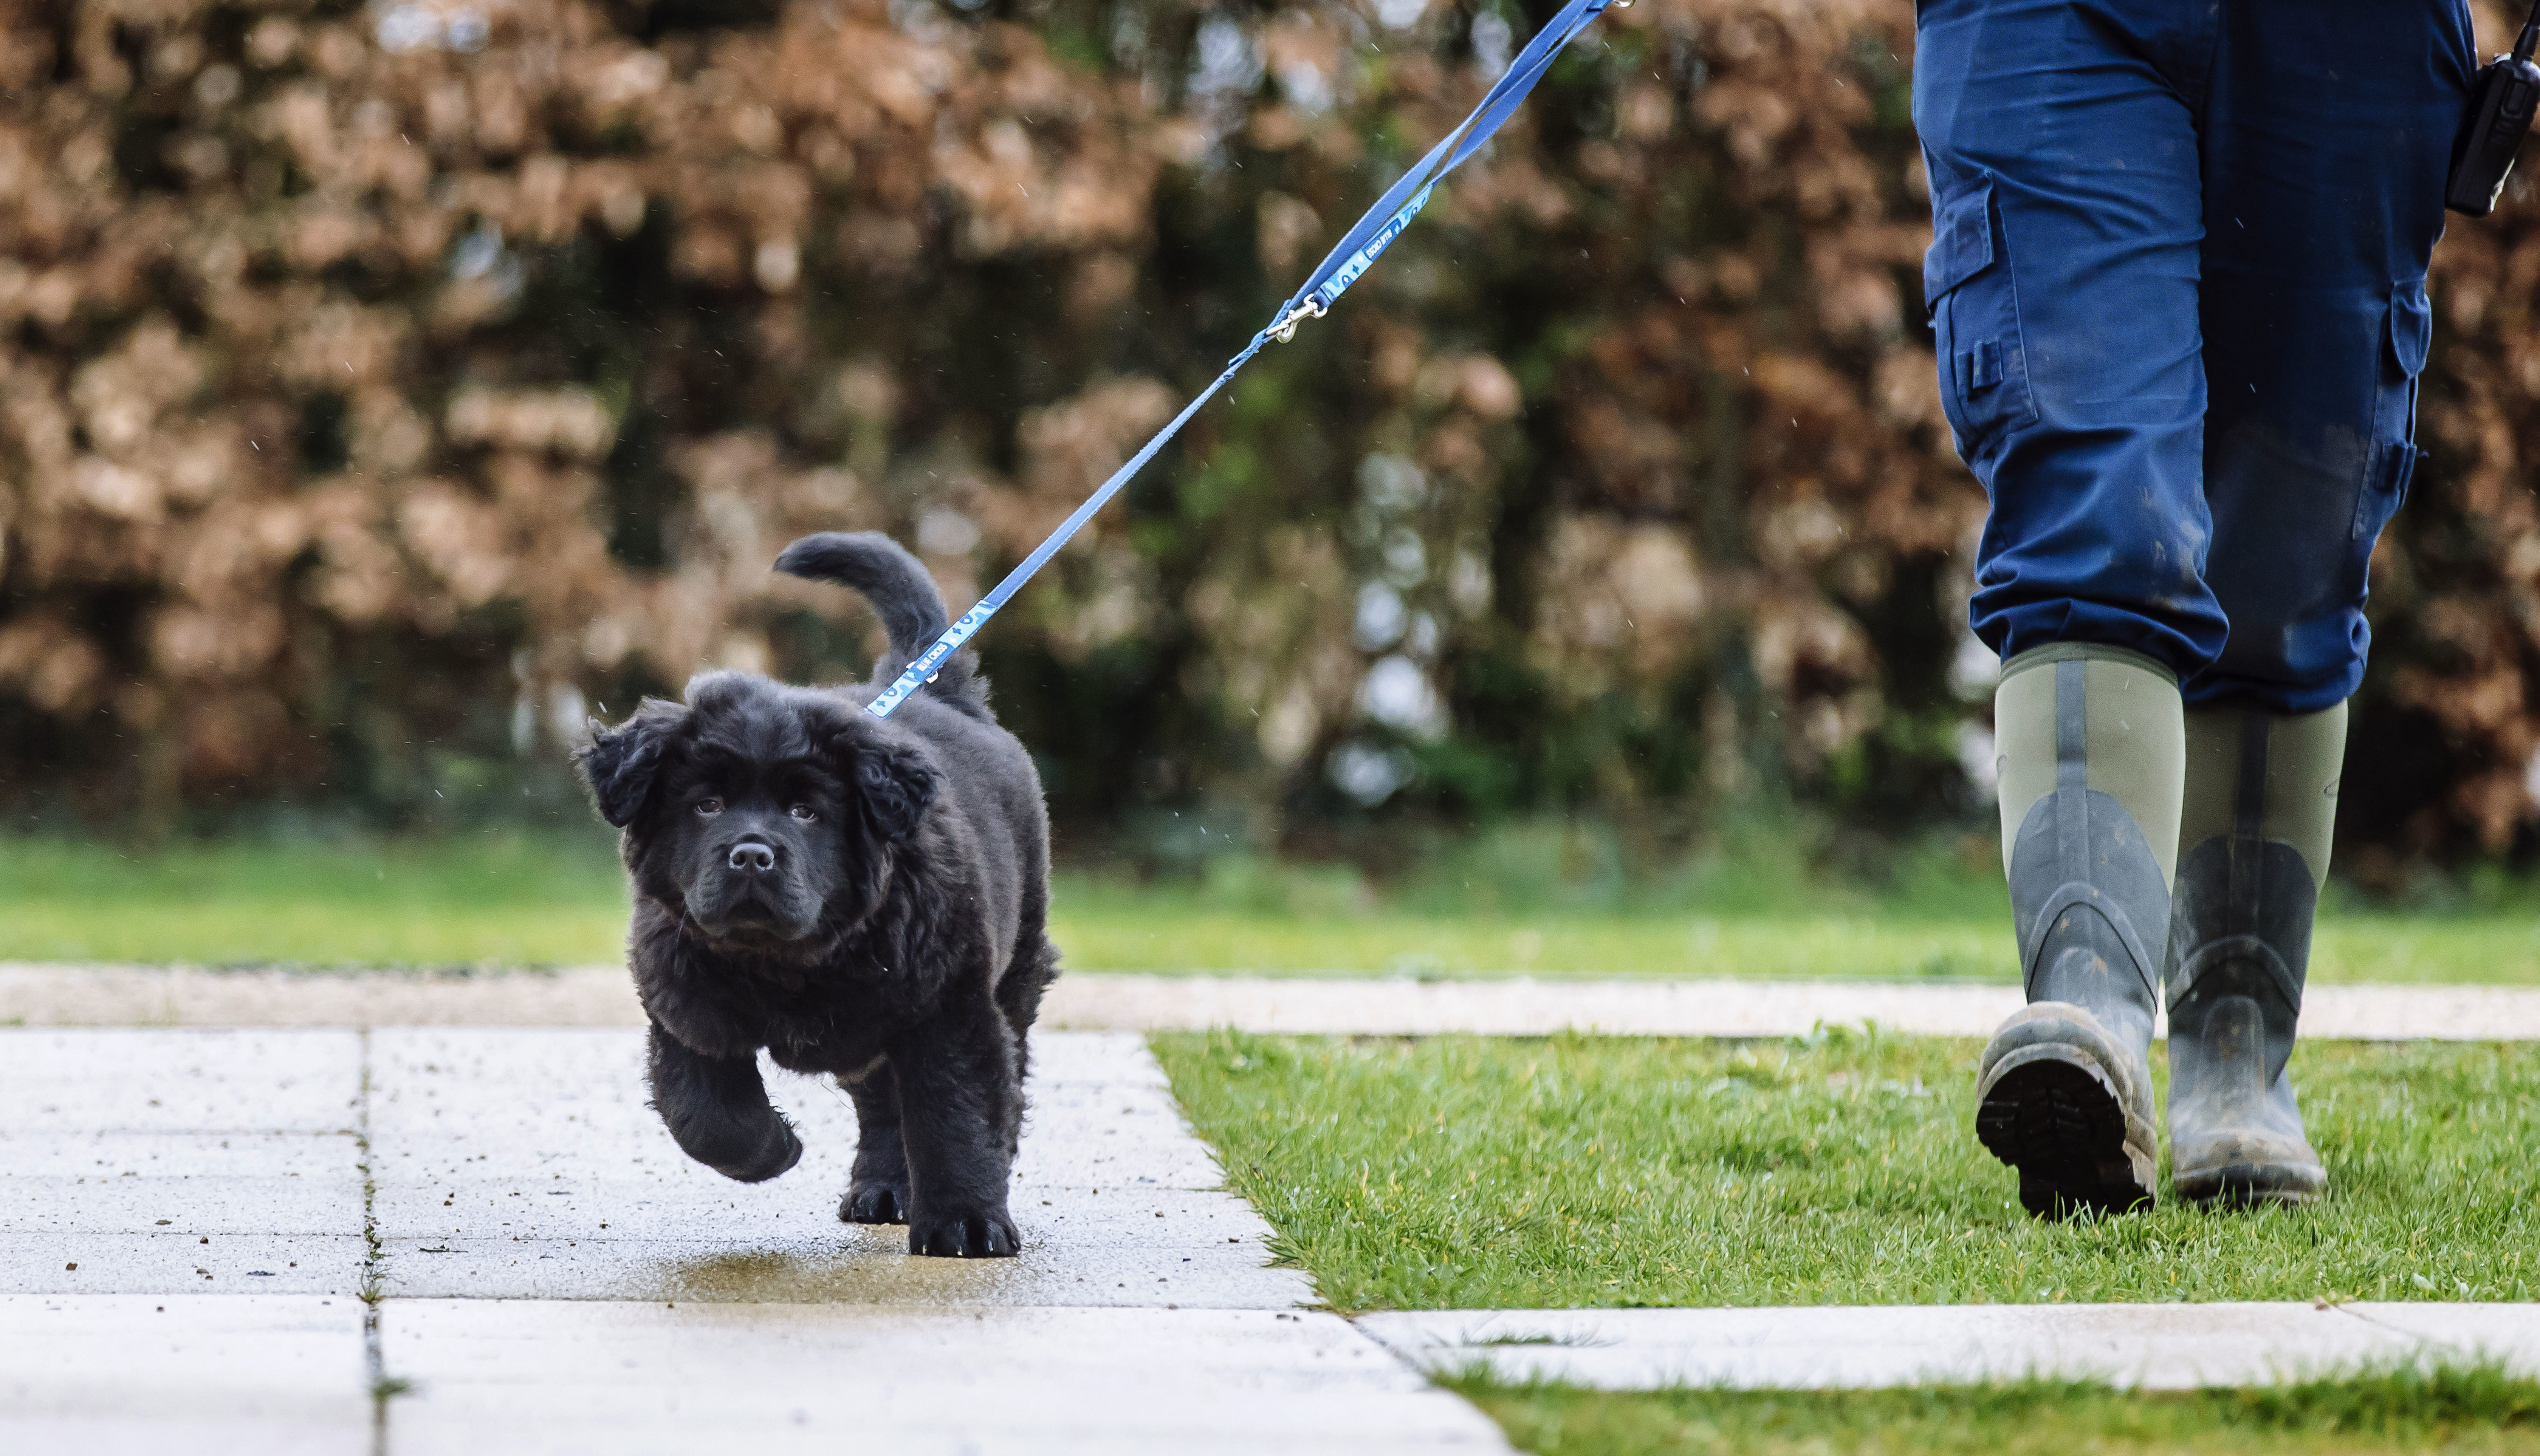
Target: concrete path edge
43	995
2152	1346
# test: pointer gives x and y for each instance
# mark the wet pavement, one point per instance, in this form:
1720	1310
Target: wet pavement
166	1162
525	1165
190	1220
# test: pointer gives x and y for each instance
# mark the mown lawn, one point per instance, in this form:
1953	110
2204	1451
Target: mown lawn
1462	1172
490	899
2463	1410
558	898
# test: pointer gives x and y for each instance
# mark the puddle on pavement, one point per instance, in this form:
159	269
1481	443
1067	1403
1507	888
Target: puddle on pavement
876	1268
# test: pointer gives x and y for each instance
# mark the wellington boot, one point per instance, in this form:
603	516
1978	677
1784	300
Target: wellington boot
2064	1090
2239	947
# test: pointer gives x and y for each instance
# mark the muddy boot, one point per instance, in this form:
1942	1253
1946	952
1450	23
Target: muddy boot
2253	852
2091	743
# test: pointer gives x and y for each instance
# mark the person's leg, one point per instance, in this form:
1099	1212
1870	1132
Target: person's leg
2262	790
2060	140
2061	143
2090	745
2327	133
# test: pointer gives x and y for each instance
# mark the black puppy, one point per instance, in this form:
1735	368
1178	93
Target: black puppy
862	897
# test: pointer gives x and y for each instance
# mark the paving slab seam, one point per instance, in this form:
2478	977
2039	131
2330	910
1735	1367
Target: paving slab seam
381	1387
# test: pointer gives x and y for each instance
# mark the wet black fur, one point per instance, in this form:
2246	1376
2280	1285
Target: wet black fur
897	939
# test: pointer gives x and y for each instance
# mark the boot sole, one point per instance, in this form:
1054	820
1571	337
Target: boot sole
2049	1112
2251	1185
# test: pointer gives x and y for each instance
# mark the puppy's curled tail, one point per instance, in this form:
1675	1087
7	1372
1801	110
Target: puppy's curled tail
897	583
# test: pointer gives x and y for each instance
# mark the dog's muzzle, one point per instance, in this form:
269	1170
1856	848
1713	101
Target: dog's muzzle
749	892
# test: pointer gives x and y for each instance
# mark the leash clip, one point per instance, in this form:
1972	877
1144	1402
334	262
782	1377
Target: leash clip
1285	328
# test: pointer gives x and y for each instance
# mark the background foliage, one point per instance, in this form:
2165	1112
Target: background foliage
384	389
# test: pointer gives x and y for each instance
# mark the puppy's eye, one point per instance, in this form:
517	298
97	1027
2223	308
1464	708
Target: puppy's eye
802	812
709	806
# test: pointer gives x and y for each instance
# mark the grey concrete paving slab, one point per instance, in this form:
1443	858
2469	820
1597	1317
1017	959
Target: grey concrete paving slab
1094	1136
1092	1061
180	1161
1098	1104
525	1165
772	1378
2507	1330
601	995
1520	1007
43	994
1706	1008
165	1263
103	1375
255	1081
187	1183
2162	1346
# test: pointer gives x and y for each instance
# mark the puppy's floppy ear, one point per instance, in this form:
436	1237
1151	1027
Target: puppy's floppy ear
896	784
621	763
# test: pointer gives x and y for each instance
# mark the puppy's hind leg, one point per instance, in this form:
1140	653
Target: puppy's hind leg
877	1189
1035	967
716	1108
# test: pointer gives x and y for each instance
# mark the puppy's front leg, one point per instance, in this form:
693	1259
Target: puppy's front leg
716	1109
957	1096
878	1188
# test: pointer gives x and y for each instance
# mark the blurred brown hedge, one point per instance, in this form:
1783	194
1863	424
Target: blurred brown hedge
383	388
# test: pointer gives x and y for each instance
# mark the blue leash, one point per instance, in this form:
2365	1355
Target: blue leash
1345	264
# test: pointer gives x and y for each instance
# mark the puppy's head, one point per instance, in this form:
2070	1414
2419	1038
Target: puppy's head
767	812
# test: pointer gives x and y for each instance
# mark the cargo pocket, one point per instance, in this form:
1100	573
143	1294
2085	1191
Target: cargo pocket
2392	460
1968	287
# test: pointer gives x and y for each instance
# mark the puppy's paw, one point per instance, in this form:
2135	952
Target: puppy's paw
778	1154
874	1203
985	1234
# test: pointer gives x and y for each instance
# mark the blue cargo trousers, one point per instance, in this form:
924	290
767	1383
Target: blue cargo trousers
2177	288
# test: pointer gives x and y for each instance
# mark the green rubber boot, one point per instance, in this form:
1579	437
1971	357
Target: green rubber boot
2064	1089
2252	854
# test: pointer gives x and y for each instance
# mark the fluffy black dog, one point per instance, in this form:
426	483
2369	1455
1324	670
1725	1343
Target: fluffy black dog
862	897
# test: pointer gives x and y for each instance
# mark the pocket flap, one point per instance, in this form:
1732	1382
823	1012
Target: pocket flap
2412	325
1961	243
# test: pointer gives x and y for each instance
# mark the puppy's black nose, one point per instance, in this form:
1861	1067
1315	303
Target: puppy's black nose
749	856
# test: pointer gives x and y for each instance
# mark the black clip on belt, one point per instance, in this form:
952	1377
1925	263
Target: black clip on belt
2502	101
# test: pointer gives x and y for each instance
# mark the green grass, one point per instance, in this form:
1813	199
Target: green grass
1504	905
2409	1408
500	899
1462	1172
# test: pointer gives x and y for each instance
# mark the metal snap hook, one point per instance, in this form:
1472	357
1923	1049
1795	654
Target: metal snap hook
1285	328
